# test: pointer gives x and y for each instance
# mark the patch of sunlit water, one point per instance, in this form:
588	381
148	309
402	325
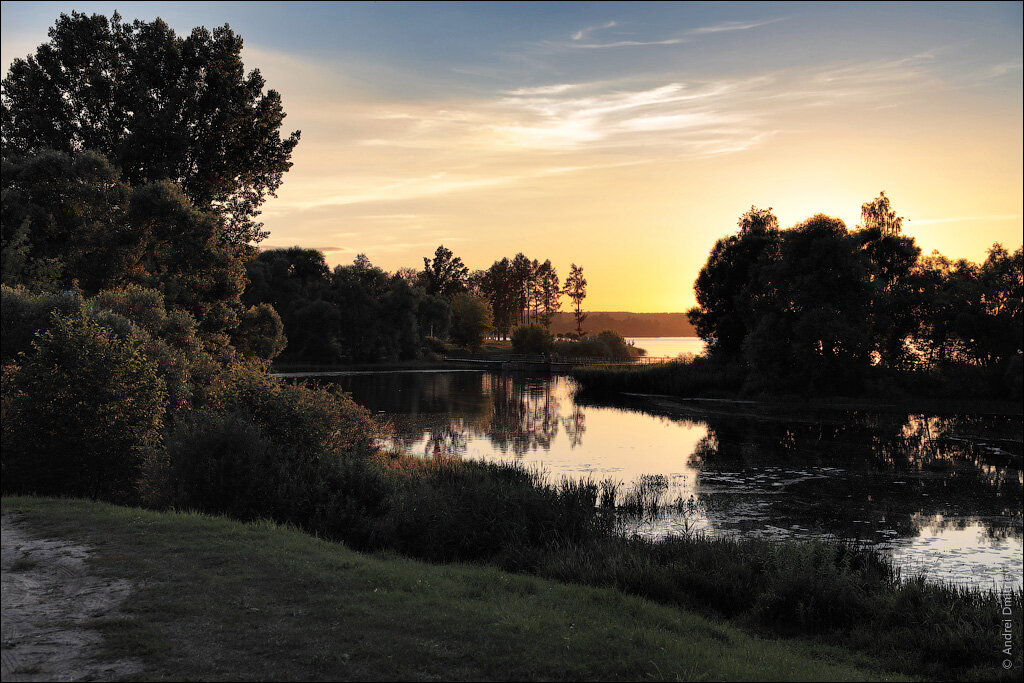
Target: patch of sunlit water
875	478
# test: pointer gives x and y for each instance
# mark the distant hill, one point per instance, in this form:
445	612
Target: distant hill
627	324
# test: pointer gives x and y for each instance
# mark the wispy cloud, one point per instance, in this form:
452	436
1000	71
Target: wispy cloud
514	136
677	39
584	32
545	89
629	43
724	26
999	70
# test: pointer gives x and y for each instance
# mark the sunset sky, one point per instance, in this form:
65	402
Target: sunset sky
625	138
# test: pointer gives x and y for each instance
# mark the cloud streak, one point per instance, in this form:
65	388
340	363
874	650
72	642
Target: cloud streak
726	26
423	150
584	32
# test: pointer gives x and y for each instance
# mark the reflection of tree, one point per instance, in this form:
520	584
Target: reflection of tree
448	438
526	413
856	470
514	412
575	424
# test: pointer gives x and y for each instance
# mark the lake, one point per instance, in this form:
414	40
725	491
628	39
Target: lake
940	492
669	346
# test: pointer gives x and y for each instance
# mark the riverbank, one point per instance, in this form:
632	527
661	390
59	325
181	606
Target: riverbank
987	389
218	599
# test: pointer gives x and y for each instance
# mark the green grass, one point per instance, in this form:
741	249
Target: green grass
218	599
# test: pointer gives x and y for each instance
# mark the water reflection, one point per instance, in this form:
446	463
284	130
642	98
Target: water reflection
943	492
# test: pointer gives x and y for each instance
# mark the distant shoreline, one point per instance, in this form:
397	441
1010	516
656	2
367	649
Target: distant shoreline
626	323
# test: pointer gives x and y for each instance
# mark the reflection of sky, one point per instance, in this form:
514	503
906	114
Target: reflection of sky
915	492
615	445
669	346
966	555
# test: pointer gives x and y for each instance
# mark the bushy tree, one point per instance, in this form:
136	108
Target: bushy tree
471	321
78	225
445	274
531	339
85	409
812	319
169	338
159	107
726	288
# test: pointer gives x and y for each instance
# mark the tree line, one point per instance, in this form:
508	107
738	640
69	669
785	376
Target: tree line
361	313
821	307
136	157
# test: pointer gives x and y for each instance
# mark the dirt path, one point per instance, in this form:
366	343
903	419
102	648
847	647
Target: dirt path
48	596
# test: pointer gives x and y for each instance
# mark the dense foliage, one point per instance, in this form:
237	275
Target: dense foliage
70	222
821	308
159	107
355	313
81	413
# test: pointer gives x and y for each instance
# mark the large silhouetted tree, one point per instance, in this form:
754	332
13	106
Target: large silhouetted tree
897	304
445	274
499	287
549	293
726	289
158	107
810	326
879	214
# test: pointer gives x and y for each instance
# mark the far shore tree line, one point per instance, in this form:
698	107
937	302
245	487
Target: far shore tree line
821	308
361	313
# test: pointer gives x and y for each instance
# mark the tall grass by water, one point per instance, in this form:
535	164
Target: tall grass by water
262	449
448	509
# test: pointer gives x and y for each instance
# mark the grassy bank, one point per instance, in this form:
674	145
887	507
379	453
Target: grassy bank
704	378
218	599
676	378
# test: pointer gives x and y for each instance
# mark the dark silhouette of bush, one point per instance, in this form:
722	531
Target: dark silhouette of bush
531	339
607	344
82	413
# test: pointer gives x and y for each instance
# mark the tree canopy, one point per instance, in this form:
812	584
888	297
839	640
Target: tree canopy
815	307
158	106
446	274
69	221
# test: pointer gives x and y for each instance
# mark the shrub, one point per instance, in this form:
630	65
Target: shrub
23	314
531	339
263	448
607	344
84	410
471	320
312	420
223	464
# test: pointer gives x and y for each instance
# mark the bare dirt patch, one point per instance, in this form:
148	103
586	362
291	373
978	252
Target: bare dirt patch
49	597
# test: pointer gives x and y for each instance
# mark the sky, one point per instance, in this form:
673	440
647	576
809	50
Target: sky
623	137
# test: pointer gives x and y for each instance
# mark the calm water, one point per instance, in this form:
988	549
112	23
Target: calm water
942	493
669	346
